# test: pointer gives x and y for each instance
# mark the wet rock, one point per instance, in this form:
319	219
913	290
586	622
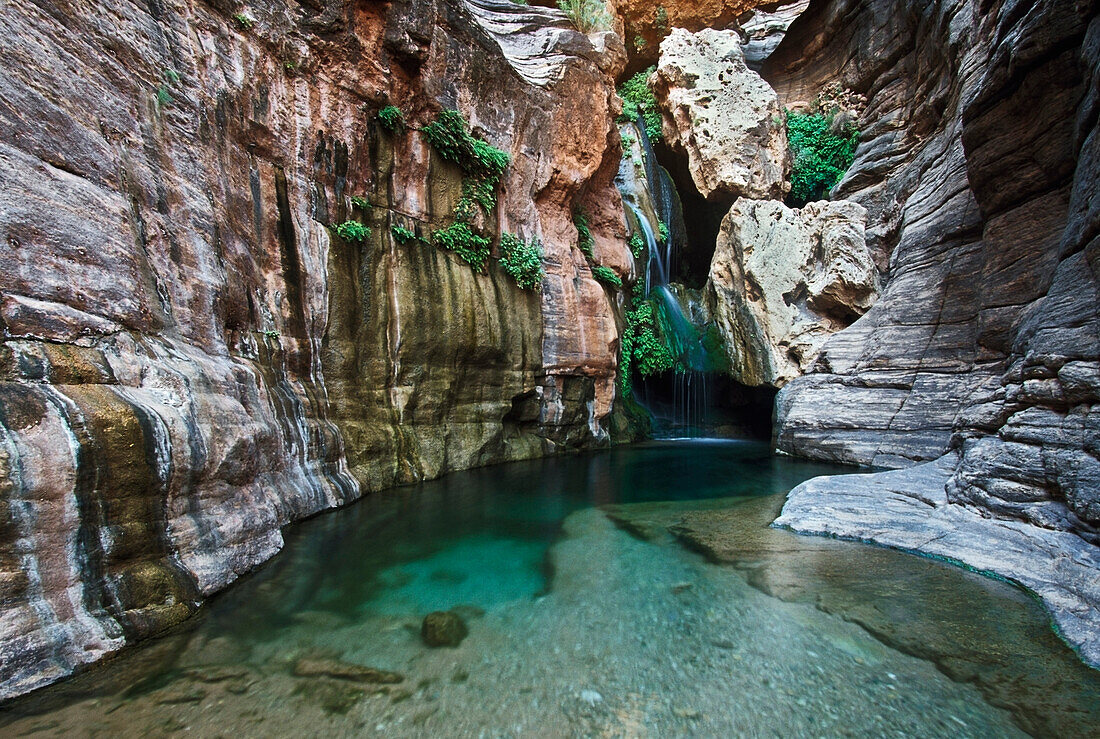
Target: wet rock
319	667
443	629
722	114
191	360
910	509
784	280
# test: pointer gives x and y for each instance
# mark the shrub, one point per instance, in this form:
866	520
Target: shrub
461	239
640	105
585	242
607	276
637	245
522	260
243	21
360	202
821	153
392	119
644	347
401	234
353	231
587	15
482	163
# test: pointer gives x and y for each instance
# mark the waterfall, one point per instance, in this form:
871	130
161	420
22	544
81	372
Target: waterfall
679	410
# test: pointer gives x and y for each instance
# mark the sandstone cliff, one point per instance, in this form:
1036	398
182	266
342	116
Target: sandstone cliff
190	358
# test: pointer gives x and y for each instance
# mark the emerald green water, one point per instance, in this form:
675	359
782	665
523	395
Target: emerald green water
588	616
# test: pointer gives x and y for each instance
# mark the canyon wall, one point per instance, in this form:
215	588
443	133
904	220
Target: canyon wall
977	165
191	359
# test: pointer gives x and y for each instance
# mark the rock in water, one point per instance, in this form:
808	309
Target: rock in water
443	629
724	115
784	280
307	667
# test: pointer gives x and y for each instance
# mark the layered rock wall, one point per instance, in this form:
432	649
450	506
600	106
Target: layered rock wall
190	359
978	168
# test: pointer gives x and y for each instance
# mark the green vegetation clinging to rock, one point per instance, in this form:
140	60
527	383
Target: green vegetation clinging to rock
460	238
585	242
606	275
644	346
640	105
587	15
822	148
522	260
353	231
392	119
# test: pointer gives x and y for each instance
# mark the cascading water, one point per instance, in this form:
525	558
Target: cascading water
684	414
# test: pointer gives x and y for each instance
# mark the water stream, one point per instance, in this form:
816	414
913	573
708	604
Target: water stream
587	615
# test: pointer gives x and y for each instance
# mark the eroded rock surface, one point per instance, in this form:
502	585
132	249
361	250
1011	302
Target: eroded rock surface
191	360
977	166
910	510
783	280
722	114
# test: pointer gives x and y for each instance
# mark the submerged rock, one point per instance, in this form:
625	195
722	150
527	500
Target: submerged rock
319	667
724	115
784	280
443	629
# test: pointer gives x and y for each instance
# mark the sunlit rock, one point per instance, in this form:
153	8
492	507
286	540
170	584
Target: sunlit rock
722	114
784	280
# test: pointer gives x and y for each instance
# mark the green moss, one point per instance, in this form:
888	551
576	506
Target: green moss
522	260
606	275
585	242
353	231
463	241
402	235
639	104
662	230
637	245
360	202
243	21
822	148
392	119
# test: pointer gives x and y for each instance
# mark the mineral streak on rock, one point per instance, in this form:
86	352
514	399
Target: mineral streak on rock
191	360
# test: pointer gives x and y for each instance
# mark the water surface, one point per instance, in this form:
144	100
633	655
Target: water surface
587	615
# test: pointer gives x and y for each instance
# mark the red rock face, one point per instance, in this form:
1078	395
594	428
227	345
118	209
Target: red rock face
191	360
645	24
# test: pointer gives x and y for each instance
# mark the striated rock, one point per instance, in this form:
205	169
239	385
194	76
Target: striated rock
443	629
974	255
977	165
909	509
722	114
782	281
766	28
191	360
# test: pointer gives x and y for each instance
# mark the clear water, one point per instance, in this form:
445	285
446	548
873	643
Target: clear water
588	615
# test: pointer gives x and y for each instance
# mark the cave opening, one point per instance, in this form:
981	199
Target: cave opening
710	404
703	218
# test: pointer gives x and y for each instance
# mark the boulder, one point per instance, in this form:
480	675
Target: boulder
722	114
783	280
443	629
